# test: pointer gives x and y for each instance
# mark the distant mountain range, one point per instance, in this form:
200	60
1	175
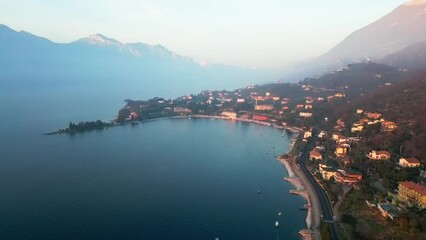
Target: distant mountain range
26	57
397	39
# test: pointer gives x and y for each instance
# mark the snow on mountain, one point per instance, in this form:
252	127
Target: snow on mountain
135	49
101	40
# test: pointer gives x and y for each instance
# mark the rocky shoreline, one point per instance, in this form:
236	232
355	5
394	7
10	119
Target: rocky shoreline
304	189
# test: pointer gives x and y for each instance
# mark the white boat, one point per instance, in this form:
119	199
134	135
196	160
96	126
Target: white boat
277	224
279	214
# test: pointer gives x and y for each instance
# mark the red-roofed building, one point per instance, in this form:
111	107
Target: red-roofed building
133	115
373	115
409	162
388	126
343	176
260	118
412	193
379	155
315	155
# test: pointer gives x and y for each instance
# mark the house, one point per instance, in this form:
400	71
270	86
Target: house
133	115
275	98
357	124
347	176
259	118
359	111
339	95
357	128
341	151
388	126
259	98
327	171
181	110
339	138
305	114
363	121
284	108
409	162
413	193
307	134
379	155
322	134
373	122
240	100
315	155
229	114
224	100
373	115
299	106
308	106
265	107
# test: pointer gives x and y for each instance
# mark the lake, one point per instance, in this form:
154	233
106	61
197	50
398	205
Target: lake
165	179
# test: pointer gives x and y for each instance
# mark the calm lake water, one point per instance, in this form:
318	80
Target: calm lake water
167	179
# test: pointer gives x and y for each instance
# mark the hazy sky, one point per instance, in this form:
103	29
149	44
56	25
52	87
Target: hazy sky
249	33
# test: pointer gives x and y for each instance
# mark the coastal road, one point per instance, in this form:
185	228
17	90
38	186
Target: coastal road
326	208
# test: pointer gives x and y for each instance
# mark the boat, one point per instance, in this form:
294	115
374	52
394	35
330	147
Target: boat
277	224
279	214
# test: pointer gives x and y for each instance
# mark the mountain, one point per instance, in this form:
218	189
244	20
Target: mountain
97	59
412	57
398	29
359	78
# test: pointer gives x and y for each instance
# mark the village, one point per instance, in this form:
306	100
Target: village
342	161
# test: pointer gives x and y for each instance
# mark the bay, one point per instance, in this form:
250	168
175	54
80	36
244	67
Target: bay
167	179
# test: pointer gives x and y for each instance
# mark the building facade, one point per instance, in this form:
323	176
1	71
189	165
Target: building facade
412	193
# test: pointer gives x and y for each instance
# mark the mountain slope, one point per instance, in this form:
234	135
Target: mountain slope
99	59
398	29
357	79
411	57
405	104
